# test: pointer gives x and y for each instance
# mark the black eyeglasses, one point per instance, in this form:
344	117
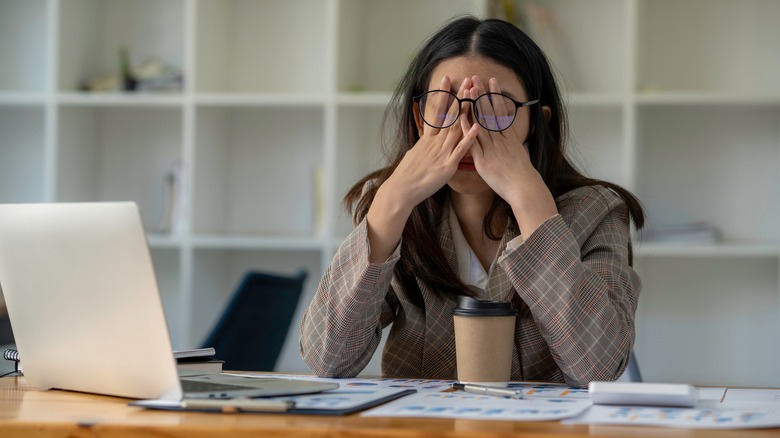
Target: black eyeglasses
493	111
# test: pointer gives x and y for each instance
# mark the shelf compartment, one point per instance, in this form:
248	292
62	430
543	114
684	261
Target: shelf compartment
711	164
119	154
650	249
255	171
217	274
23	45
701	319
709	45
580	39
92	32
23	152
167	269
358	153
373	51
596	145
257	243
261	46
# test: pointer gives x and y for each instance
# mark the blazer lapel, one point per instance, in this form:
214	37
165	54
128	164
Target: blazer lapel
499	288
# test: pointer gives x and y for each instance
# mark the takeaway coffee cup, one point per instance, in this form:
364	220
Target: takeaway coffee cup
484	331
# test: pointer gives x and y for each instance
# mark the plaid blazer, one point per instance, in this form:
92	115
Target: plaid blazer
571	281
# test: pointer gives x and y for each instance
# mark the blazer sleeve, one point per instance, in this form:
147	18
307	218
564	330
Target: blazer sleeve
574	274
342	327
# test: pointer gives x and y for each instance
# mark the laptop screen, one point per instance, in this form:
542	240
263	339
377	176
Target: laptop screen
83	300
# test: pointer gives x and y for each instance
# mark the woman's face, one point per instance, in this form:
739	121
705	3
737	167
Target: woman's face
466	180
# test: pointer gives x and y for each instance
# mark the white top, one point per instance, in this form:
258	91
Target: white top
470	269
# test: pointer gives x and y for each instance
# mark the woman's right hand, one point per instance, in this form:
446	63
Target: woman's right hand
433	160
425	168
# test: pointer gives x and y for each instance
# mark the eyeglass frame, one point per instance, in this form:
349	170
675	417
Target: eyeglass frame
473	102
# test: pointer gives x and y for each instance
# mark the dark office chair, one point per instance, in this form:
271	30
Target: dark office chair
250	334
632	371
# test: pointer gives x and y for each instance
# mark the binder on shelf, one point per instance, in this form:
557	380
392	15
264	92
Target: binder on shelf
189	367
194	354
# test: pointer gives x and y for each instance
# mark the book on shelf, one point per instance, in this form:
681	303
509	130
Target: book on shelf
213	366
195	353
198	360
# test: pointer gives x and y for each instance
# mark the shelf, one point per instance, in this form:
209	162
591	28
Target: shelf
703	98
260	99
121	99
163	241
369	99
17	98
609	100
730	249
249	242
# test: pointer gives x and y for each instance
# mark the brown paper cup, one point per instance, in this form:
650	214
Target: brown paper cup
484	334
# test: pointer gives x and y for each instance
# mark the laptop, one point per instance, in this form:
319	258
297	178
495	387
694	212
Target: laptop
86	311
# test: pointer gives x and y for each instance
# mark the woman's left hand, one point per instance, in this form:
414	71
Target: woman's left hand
503	161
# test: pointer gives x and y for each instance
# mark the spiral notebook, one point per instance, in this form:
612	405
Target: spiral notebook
86	311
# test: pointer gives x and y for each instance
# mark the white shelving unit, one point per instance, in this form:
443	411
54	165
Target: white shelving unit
678	100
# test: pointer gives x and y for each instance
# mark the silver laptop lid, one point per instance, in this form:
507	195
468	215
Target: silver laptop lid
83	300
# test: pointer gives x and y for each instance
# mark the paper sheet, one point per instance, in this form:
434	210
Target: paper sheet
753	396
471	406
717	408
715	418
420	385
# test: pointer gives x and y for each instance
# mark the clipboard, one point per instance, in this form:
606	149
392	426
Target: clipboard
342	401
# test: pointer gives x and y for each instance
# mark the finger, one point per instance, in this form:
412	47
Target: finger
499	104
434	107
480	86
467	142
463	93
455	131
484	105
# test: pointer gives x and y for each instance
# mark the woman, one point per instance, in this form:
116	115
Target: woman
478	198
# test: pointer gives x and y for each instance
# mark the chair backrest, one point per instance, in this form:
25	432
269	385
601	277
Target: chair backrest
250	334
632	371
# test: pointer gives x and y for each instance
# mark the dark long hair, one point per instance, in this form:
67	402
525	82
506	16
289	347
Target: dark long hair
502	42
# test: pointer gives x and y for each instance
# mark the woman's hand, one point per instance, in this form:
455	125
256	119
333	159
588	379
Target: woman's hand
425	168
434	159
503	161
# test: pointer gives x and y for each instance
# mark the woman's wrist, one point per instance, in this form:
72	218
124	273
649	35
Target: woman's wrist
532	209
386	219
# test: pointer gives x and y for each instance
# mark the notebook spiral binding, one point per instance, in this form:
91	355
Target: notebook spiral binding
11	354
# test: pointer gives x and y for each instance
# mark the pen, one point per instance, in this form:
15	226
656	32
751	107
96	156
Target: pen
488	390
240	404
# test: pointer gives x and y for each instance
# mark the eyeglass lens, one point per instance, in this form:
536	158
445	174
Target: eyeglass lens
492	111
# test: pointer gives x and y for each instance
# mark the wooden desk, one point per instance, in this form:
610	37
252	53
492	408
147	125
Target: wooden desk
29	411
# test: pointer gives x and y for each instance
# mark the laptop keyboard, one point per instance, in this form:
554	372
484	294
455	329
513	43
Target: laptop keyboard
201	386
